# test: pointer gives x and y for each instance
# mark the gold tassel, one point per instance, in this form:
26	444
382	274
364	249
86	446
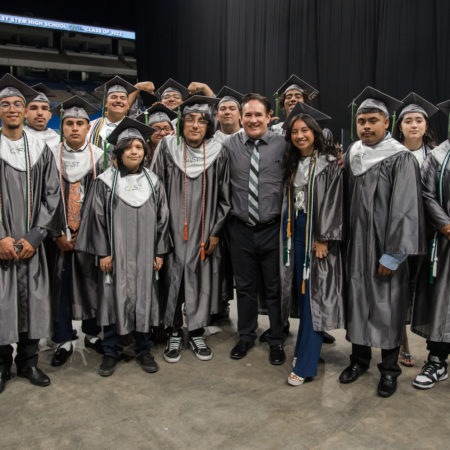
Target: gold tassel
185	231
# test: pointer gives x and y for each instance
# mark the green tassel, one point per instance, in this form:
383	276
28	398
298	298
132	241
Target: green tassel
178	125
105	157
277	106
394	117
146	117
352	136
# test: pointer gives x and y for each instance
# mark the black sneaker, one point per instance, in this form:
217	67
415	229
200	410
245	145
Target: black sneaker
172	353
434	370
199	347
108	366
147	362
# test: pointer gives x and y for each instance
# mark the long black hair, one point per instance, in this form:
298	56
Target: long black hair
292	153
429	138
209	128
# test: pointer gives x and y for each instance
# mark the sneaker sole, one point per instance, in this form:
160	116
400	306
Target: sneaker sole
203	358
422	386
171	360
106	373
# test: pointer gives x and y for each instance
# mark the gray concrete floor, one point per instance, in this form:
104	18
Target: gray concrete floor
222	403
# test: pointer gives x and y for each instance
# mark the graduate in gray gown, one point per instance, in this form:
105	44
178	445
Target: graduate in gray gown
125	224
385	225
73	274
30	202
310	241
194	169
38	115
431	313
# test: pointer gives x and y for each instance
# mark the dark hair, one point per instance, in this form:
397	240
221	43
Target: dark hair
429	138
209	128
260	98
292	154
282	99
124	145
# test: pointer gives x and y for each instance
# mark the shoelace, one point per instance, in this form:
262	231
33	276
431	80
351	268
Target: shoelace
429	369
199	342
174	342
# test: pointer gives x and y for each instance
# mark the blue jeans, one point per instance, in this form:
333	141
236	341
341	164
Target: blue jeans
111	340
309	342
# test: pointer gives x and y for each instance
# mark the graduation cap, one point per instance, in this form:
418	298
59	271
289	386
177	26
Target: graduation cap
414	103
296	83
172	86
227	94
372	98
130	129
157	113
74	107
445	108
148	99
12	87
198	104
43	93
116	84
303	108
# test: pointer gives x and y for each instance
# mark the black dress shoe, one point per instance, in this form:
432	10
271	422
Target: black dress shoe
97	345
352	373
327	338
240	349
108	365
35	375
5	375
387	385
61	356
277	355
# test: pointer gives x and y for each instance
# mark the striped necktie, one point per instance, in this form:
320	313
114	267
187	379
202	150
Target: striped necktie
253	196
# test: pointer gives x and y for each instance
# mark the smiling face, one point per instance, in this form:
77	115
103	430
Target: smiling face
133	155
413	125
38	114
12	112
292	97
161	129
194	129
255	119
302	137
117	103
75	132
371	127
171	99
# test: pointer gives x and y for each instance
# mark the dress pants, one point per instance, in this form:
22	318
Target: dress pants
309	342
63	327
27	353
111	340
362	355
439	349
255	257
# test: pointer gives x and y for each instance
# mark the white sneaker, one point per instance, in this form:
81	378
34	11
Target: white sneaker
434	370
295	380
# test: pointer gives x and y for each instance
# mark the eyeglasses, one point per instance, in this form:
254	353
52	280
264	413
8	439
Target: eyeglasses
159	130
192	120
174	96
17	105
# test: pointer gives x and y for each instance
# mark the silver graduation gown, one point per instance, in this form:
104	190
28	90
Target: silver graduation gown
140	233
85	272
384	216
431	312
24	286
202	280
327	274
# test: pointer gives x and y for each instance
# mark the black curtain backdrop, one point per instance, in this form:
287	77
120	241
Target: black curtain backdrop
338	46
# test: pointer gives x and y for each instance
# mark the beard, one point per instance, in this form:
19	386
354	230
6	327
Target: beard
12	127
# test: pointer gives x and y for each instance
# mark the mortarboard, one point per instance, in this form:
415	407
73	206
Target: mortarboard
373	98
43	93
12	87
172	86
74	107
130	129
303	108
445	108
227	94
198	104
157	113
415	103
296	83
116	84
